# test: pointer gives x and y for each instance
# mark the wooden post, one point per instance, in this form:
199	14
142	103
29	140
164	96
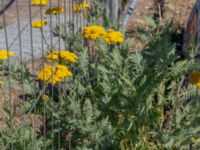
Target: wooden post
114	14
112	10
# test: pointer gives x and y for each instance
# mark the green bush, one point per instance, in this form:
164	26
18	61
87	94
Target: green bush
118	99
129	100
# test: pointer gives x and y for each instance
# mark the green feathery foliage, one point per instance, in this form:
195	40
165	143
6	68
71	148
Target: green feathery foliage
131	100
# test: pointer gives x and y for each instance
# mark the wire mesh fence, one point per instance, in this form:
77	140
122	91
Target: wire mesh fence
69	81
33	33
26	36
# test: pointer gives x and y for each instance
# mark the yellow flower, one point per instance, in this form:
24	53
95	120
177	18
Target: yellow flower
53	74
55	11
194	79
195	139
39	23
62	55
45	97
113	37
93	32
39	2
81	7
4	54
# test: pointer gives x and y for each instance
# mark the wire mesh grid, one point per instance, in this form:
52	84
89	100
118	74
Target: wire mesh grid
31	110
21	92
32	33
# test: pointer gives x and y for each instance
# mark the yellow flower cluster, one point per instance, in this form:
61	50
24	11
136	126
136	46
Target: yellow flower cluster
96	32
4	54
194	79
93	32
39	2
81	7
55	11
53	74
39	23
113	37
62	55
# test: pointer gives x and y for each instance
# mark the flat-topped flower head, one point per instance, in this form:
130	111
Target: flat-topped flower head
81	7
45	97
39	23
39	2
113	37
194	79
4	54
62	55
93	32
55	11
53	74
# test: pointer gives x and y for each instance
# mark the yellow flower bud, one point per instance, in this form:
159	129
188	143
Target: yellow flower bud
45	97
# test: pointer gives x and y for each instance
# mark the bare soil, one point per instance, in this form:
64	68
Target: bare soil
179	10
12	103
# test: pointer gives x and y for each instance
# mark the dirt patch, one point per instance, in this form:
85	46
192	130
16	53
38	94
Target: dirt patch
158	9
143	8
6	100
16	102
178	9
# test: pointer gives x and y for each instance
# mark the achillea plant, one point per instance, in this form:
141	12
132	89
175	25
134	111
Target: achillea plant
133	100
110	36
39	2
81	7
5	54
93	32
122	99
39	24
113	37
53	74
62	56
55	11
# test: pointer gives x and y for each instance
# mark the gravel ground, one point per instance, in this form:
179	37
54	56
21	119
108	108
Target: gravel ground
25	31
13	38
23	7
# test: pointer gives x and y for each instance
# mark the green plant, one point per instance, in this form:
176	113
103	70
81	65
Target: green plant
129	100
119	100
